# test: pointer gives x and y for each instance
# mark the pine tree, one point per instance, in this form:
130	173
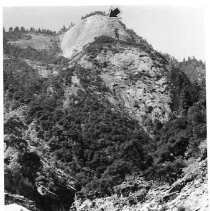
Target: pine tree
22	29
10	29
16	29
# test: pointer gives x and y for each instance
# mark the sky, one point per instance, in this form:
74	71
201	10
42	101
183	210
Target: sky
176	30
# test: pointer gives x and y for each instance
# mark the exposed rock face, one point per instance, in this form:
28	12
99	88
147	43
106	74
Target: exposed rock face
15	207
87	29
136	194
136	83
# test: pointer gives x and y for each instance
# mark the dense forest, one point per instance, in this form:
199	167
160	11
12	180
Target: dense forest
194	69
89	139
18	31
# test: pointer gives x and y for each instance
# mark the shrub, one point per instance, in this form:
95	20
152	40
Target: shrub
31	164
15	126
94	13
167	172
164	208
181	209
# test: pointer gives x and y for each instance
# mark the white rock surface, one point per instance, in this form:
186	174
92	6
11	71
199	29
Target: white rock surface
86	30
14	207
136	82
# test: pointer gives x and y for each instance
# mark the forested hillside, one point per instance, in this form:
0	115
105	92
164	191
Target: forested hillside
73	113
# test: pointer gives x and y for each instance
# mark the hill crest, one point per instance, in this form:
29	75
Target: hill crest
88	29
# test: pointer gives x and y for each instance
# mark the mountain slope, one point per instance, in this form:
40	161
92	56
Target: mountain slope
113	107
136	83
87	29
190	192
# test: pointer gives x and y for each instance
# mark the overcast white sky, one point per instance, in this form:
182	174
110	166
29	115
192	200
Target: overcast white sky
178	31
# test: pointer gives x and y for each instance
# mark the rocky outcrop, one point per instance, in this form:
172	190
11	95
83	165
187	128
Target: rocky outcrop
135	83
83	33
14	199
138	83
42	69
15	207
188	193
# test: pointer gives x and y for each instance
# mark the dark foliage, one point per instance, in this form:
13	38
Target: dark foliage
94	13
168	172
30	163
18	31
19	77
14	126
182	91
88	138
194	69
180	137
